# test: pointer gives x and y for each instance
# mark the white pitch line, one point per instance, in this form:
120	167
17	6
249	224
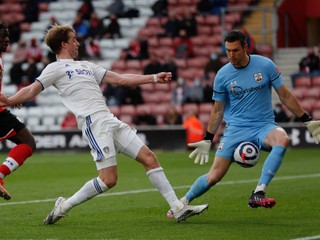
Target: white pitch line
308	238
177	187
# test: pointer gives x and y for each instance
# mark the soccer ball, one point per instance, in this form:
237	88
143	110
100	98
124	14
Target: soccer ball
246	154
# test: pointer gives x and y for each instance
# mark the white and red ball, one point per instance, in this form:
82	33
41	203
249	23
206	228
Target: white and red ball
246	154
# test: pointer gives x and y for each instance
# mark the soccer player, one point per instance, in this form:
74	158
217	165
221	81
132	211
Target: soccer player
78	85
242	94
12	129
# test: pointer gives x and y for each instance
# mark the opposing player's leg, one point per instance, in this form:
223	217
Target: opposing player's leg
159	180
3	192
106	164
62	205
14	130
278	141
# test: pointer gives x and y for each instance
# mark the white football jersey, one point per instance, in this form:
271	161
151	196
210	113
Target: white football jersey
78	84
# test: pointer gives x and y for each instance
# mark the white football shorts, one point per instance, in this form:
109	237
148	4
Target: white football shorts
107	136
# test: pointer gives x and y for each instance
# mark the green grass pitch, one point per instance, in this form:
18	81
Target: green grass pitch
134	210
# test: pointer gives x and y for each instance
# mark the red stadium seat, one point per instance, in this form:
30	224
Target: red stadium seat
160	109
119	65
300	92
265	50
315	81
308	104
313	93
190	107
151	97
181	63
162	87
153	22
166	42
204	30
197	40
212	20
134	64
316	114
144	108
316	105
200	19
127	110
303	81
197	62
147	87
153	42
205	108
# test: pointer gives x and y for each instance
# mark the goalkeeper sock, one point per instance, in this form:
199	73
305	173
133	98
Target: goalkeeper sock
160	181
89	190
272	164
199	187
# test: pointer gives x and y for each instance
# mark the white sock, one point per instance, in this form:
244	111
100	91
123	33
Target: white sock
89	190
261	187
160	181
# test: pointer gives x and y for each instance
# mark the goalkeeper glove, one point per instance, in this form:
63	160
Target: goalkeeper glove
201	152
314	128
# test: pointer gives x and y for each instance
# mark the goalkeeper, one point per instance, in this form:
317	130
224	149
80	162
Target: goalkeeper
242	94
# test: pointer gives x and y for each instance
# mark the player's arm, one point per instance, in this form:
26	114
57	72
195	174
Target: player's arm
201	153
136	79
216	117
290	101
23	95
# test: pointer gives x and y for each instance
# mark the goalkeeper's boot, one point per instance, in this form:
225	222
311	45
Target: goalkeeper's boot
258	199
189	211
56	214
3	192
184	201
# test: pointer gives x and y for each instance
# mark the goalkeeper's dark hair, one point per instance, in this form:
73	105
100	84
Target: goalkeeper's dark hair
236	35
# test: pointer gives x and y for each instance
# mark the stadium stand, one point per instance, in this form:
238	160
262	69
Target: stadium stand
156	97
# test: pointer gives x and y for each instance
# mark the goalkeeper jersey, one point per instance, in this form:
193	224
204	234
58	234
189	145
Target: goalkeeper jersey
247	91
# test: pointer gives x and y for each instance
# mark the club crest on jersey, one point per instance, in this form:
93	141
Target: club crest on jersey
258	77
106	149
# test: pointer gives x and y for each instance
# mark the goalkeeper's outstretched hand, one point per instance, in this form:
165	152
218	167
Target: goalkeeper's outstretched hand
314	128
201	152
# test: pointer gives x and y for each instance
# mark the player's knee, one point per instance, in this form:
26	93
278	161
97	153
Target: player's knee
152	162
148	159
284	140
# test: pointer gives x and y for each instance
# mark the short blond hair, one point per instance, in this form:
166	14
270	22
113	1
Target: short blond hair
56	35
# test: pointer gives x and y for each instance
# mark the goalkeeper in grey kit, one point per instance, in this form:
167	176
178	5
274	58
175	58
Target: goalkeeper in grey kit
242	96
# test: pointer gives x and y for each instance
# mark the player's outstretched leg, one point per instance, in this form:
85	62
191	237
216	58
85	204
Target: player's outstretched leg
57	213
3	192
258	199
